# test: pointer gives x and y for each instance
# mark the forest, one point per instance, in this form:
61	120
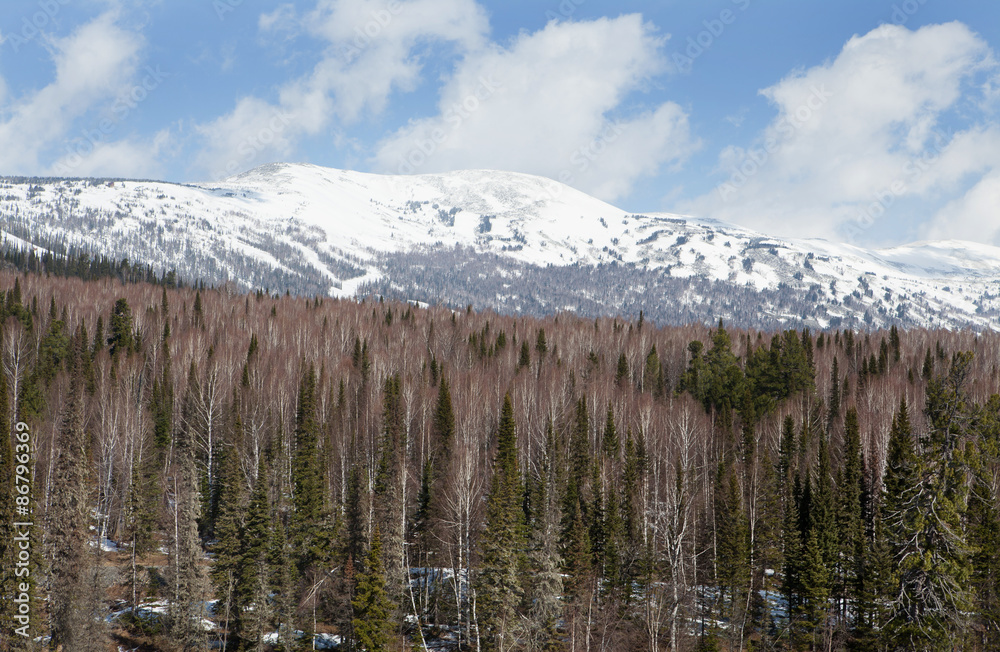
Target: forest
209	469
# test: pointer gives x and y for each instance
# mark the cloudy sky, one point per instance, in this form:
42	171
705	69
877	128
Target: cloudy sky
865	121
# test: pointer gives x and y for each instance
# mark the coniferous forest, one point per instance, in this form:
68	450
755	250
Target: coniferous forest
216	470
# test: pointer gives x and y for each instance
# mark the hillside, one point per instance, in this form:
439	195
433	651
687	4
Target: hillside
514	243
215	470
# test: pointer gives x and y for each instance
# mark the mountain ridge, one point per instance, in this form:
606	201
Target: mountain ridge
316	230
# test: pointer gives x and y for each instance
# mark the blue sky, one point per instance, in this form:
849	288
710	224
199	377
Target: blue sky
869	122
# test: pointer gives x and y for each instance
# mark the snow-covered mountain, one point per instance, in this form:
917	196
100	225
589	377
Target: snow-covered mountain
511	242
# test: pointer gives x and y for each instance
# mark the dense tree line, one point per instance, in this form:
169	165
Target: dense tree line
266	473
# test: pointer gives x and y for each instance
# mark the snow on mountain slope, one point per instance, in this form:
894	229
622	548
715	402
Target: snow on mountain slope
319	230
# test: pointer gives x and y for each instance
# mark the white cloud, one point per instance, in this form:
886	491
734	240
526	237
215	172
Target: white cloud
974	216
551	103
92	65
135	158
373	49
855	134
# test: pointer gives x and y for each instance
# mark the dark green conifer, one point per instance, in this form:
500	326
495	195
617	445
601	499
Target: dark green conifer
503	541
372	606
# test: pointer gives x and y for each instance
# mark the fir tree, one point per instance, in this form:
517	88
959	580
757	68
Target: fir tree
225	572
815	582
525	358
621	375
499	587
121	339
307	480
834	397
541	345
653	377
609	442
372	606
732	563
252	589
850	526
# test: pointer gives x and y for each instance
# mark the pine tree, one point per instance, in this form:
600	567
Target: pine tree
502	543
372	606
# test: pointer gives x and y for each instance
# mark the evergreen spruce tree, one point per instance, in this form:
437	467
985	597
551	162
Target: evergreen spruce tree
621	375
253	573
833	401
653	377
121	338
732	563
388	498
498	586
850	525
791	544
372	606
815	582
228	548
307	481
609	442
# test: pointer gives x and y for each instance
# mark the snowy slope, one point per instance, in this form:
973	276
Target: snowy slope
319	230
